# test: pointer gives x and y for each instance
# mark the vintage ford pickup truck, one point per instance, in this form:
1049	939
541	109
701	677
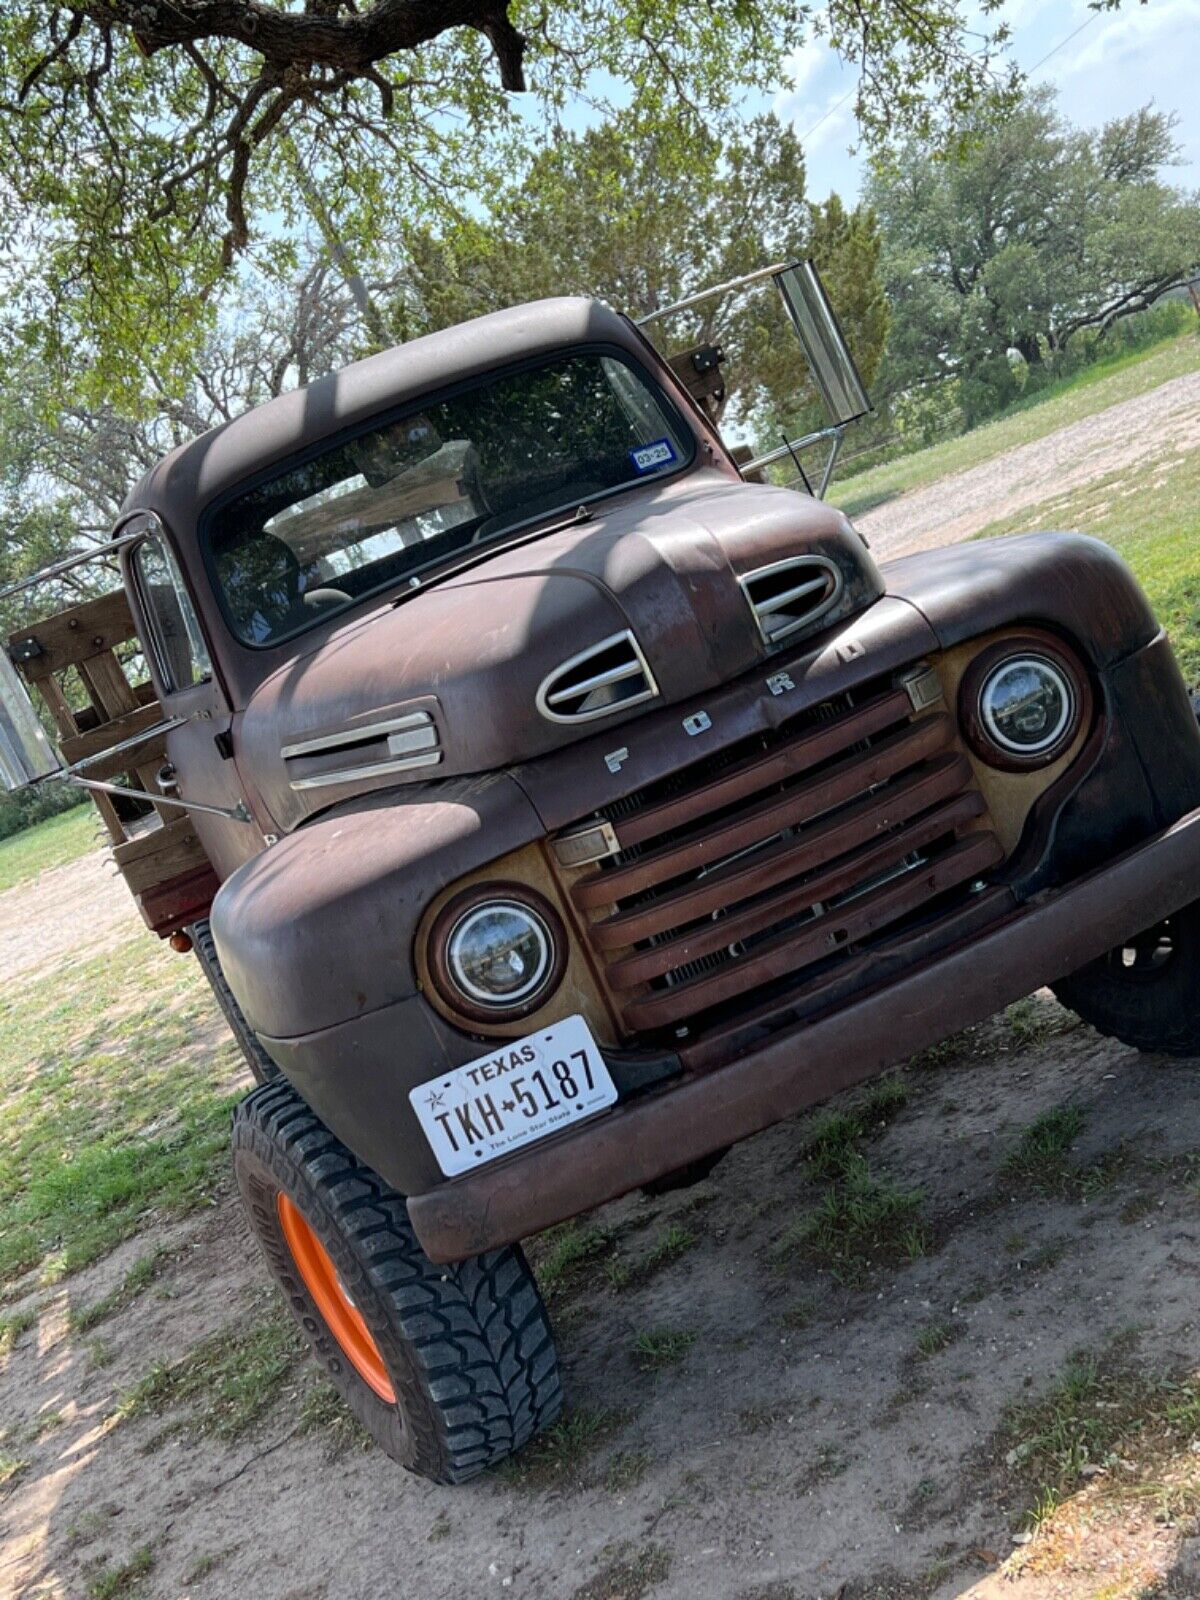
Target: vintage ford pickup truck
564	807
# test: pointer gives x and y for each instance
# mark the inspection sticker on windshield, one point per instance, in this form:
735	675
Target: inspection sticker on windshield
648	456
519	1092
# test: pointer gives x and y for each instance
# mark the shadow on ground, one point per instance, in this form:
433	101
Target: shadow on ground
816	1374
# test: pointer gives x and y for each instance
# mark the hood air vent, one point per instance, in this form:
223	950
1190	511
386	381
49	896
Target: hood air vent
791	595
370	750
612	675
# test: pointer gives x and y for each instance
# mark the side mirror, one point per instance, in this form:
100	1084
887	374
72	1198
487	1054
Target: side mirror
26	754
824	344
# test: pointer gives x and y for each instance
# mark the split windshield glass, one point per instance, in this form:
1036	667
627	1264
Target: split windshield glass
438	483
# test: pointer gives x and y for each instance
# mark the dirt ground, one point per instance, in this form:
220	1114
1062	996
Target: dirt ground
960	505
81	906
814	1440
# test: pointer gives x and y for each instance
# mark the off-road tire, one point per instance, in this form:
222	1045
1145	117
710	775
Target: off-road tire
1151	1002
259	1062
467	1348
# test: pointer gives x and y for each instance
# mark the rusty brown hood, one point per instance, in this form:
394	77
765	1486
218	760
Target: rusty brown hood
452	674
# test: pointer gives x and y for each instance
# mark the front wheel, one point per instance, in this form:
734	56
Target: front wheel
1146	992
450	1369
257	1059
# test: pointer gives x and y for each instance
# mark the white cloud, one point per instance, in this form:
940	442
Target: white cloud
1166	25
1119	62
807	64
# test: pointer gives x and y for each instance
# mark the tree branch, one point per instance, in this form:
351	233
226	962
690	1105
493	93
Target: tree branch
351	42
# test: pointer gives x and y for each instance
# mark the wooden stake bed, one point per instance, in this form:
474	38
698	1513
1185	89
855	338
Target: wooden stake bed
158	851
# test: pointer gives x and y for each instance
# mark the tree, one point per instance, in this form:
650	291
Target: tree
1021	233
621	213
63	481
147	143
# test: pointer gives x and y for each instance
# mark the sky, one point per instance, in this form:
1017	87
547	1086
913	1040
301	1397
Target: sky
1116	62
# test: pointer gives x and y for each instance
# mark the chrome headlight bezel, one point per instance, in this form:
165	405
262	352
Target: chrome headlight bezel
991	687
1000	693
456	971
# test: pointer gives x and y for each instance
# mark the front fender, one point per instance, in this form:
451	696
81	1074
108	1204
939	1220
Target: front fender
1069	581
319	929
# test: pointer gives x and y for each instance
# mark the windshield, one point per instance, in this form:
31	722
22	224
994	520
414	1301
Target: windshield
411	493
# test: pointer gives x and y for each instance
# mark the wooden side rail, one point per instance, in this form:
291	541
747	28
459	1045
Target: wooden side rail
159	855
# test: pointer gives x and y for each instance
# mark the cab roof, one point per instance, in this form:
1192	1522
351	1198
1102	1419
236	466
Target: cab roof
179	486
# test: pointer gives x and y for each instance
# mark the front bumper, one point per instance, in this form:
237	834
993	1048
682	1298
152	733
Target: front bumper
1050	936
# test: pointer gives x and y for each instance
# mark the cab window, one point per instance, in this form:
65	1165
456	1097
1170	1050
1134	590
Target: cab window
176	639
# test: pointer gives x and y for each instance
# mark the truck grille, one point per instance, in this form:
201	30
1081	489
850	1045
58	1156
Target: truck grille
783	855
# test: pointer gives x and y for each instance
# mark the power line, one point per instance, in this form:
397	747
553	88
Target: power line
1062	43
837	106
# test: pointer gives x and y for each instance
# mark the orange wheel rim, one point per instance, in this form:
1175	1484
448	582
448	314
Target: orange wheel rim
341	1316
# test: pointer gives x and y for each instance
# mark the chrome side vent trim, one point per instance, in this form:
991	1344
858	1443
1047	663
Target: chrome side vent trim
364	734
402	743
791	595
610	676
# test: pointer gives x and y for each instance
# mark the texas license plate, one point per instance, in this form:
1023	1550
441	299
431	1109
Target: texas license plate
518	1093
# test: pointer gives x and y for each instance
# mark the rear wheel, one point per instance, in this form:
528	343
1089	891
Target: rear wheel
1146	992
450	1369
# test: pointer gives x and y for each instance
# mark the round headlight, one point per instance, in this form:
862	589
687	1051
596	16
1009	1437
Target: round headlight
499	953
1022	701
1026	704
496	954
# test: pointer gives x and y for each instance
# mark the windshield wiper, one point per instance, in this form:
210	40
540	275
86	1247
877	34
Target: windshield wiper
440	571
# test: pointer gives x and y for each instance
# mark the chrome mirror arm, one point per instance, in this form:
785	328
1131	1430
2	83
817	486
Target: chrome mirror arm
238	813
100	552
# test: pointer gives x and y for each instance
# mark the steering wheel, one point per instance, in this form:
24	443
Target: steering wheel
326	597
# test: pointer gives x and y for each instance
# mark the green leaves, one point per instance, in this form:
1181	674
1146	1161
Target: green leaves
642	213
147	148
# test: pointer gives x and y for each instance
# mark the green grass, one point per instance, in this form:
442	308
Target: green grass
112	1105
1033	1021
1102	1413
621	1272
934	1338
13	1326
1041	1160
110	1582
561	1457
564	1257
629	1573
49	844
835	1136
625	1470
44	1424
1150	515
567	1258
1082	395
325	1413
657	1348
135	1282
226	1384
860	1222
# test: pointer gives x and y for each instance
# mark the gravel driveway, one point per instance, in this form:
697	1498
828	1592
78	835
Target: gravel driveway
961	505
